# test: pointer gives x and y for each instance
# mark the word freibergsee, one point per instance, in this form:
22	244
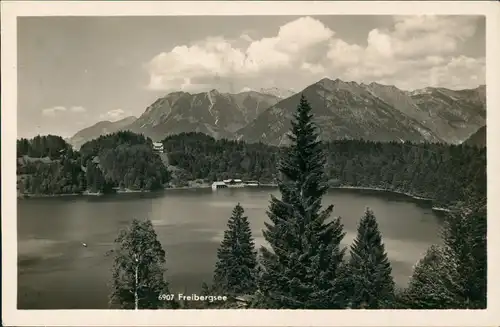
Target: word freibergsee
192	297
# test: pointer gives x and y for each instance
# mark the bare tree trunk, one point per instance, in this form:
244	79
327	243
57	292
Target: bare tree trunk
136	296
136	286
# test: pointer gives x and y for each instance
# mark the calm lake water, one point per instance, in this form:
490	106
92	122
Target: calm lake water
57	272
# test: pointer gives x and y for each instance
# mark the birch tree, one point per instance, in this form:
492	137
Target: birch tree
139	266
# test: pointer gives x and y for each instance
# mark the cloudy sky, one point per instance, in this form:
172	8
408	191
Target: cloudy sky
76	71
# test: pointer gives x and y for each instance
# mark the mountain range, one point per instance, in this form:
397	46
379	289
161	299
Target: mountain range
342	110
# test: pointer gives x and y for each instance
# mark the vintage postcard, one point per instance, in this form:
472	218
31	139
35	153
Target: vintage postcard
250	163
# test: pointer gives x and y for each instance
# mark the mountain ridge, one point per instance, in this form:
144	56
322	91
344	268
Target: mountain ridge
344	109
214	113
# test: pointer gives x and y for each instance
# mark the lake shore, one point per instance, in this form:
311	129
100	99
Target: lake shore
378	189
207	186
28	195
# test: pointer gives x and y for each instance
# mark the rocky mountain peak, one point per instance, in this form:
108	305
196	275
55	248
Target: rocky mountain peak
331	85
277	92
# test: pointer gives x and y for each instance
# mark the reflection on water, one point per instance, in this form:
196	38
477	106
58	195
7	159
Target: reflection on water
56	271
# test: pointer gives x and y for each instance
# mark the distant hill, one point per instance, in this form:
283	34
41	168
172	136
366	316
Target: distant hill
98	129
478	138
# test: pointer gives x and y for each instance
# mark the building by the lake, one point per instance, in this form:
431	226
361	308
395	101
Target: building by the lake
218	185
158	147
233	183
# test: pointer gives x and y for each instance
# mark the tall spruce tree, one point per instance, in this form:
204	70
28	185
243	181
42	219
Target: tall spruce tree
235	272
139	267
372	285
304	267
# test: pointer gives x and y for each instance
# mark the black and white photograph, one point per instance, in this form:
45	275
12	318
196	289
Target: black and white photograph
270	159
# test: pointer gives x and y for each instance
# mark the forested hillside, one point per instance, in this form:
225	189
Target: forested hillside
121	160
125	160
203	157
446	173
50	146
48	165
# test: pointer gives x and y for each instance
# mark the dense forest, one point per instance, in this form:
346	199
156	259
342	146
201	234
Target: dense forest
48	165
50	146
123	160
203	157
446	173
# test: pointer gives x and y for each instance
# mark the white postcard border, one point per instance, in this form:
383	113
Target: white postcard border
13	317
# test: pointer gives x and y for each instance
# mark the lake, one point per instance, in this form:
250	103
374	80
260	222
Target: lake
57	272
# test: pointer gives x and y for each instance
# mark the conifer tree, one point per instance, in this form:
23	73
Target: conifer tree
434	282
236	257
205	291
304	267
454	276
184	303
464	235
139	266
372	285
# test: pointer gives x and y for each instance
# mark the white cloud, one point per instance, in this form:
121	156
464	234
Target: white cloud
246	89
246	37
77	109
313	68
417	51
53	111
113	115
